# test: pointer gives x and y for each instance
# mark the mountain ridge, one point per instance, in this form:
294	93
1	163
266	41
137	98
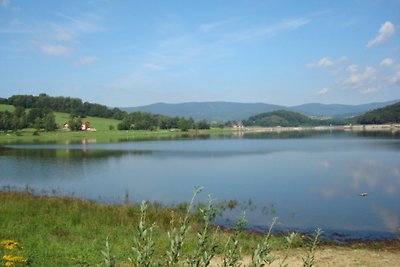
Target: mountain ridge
228	111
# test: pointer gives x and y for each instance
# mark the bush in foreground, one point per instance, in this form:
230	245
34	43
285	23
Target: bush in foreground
206	246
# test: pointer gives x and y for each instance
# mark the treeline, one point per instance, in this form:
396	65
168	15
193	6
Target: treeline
41	107
281	118
285	118
38	118
75	106
149	121
388	114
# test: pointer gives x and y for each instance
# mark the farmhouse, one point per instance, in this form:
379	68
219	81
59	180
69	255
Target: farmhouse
238	125
85	126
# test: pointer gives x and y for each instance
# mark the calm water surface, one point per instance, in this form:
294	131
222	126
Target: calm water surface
308	180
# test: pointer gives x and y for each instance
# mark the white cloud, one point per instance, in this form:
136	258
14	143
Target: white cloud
326	62
87	60
370	90
61	35
342	59
4	3
352	68
357	79
323	91
286	25
387	62
55	50
84	23
396	78
385	32
213	25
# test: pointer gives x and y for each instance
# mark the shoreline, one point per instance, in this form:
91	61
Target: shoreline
330	236
355	128
110	136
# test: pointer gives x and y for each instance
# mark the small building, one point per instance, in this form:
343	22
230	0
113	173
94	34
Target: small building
238	125
85	126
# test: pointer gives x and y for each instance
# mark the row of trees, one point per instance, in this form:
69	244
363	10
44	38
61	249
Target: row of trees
282	118
74	106
149	121
36	118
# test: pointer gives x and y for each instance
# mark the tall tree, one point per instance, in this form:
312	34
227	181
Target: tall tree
49	122
19	118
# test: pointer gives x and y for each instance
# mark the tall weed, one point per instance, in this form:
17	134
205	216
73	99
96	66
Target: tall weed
232	251
177	236
206	241
109	261
261	255
143	244
206	244
309	260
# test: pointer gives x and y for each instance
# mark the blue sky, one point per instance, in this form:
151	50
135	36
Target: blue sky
130	53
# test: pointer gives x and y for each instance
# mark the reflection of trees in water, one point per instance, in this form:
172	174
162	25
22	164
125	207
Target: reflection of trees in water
288	134
68	154
378	134
313	134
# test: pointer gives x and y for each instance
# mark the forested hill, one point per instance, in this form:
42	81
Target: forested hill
74	106
282	118
388	114
211	111
228	111
338	110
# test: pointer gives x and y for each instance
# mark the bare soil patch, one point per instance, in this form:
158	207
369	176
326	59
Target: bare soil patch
359	254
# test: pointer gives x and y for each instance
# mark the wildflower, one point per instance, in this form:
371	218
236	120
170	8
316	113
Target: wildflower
10	260
10	244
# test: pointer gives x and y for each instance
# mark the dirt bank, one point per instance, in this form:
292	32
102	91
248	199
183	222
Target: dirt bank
361	254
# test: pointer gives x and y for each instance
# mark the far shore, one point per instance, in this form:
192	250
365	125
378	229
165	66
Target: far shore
356	127
105	136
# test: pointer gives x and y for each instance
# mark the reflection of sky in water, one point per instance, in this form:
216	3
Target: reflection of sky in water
309	182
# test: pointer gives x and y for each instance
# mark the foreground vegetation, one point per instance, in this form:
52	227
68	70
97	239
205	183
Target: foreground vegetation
61	231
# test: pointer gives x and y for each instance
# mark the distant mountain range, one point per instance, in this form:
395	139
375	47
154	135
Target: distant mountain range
225	111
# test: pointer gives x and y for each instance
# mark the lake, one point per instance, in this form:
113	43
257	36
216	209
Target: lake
307	179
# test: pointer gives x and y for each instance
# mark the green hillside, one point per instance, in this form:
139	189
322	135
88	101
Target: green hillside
388	114
9	108
101	124
281	118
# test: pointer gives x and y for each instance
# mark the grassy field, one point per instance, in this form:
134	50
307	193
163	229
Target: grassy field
61	231
9	108
101	124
